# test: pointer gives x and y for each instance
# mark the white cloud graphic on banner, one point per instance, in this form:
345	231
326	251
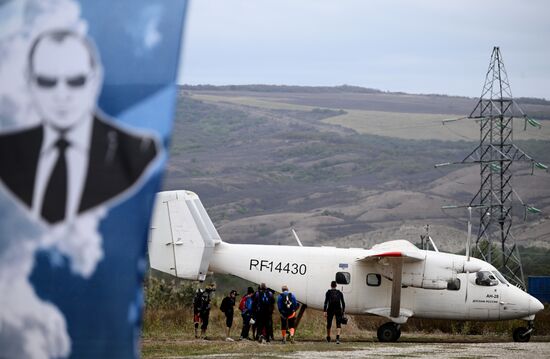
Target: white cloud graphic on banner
144	29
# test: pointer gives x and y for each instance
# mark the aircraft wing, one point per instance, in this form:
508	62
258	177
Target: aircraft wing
401	318
395	249
395	253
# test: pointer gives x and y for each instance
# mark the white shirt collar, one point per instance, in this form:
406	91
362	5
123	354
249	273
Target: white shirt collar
78	136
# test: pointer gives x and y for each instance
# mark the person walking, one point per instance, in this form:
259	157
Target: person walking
263	303
227	308
245	306
201	309
287	305
334	307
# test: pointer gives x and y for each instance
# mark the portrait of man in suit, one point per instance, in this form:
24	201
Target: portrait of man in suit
76	159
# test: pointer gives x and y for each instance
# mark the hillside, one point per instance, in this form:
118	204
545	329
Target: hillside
343	166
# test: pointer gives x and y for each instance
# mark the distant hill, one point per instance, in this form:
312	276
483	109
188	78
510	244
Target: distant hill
342	165
360	98
281	88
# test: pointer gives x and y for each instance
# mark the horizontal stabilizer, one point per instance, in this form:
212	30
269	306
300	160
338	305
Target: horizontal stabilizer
182	236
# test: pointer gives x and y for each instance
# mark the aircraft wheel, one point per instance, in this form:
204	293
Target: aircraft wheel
388	332
520	336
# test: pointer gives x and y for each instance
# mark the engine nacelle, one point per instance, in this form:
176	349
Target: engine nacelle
435	272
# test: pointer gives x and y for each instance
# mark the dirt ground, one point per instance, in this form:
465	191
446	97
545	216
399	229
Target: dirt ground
417	346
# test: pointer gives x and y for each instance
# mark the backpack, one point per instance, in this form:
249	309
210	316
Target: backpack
287	306
287	301
224	305
204	302
334	299
242	303
197	301
263	301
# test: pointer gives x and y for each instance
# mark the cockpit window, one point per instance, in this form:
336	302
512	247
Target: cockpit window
453	284
500	276
486	278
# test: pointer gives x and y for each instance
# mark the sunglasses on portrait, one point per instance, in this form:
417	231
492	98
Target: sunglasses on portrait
50	82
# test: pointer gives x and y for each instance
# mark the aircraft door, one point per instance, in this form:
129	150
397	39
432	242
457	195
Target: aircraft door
343	279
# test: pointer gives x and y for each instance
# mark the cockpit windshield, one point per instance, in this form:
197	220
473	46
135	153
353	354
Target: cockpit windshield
500	276
486	278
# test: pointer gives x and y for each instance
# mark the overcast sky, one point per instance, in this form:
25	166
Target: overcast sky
430	46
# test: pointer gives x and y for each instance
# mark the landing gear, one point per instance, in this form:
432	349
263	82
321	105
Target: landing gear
389	332
522	334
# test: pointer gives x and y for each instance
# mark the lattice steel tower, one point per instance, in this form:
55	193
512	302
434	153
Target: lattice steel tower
495	111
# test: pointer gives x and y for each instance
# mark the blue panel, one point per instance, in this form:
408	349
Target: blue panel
139	42
539	287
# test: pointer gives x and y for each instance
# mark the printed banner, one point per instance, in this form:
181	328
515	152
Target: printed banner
87	95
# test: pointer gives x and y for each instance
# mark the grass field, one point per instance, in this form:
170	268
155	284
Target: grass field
415	126
267	103
168	333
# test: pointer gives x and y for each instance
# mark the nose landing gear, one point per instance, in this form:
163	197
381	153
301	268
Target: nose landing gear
389	332
522	334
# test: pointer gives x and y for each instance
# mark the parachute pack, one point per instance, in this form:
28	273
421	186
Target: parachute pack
334	299
242	303
263	300
287	301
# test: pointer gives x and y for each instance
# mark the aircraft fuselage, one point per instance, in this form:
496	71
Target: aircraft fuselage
308	272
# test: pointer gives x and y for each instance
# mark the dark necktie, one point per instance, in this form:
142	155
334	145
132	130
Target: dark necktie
55	196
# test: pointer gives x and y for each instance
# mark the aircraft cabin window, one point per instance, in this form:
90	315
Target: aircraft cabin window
343	278
453	284
486	278
374	279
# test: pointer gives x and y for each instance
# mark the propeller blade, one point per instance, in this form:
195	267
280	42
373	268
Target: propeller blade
468	240
467	285
468	245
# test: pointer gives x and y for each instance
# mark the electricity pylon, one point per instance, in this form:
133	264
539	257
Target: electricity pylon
495	111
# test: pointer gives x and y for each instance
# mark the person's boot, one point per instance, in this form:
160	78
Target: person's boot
328	338
337	339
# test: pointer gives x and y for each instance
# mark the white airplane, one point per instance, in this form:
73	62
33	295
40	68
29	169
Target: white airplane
394	279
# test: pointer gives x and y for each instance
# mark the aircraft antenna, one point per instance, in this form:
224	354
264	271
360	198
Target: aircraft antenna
296	237
495	112
433	244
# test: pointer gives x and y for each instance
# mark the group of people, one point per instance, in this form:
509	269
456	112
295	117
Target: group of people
257	307
257	312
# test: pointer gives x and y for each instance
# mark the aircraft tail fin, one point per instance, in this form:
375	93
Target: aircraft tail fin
182	237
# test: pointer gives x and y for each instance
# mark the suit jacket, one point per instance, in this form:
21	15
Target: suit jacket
117	159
